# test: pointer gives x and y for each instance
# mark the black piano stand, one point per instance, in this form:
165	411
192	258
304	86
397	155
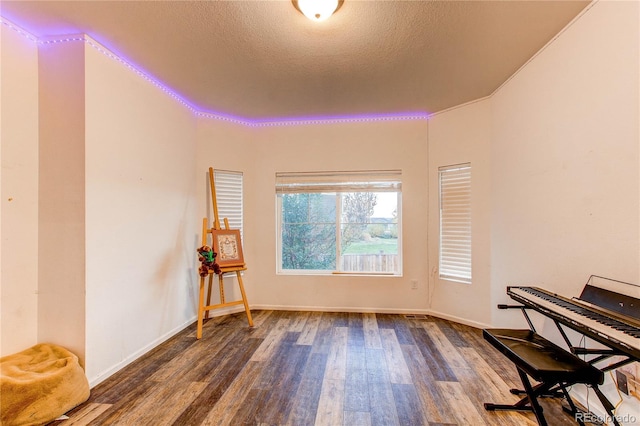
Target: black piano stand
548	364
530	401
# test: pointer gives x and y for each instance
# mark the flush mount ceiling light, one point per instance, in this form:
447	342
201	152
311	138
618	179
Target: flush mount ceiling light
317	10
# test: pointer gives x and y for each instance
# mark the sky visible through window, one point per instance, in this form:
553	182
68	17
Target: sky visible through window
387	202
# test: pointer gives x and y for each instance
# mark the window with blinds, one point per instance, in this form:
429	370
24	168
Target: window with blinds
339	222
455	222
229	197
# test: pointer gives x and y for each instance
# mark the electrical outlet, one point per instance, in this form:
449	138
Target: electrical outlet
414	284
627	381
623	383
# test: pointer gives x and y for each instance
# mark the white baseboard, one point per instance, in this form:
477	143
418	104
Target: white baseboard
128	360
102	376
340	309
474	324
431	312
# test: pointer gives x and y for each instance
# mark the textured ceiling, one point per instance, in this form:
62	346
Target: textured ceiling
263	59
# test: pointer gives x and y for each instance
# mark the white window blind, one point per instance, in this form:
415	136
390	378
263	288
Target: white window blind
455	222
229	197
353	181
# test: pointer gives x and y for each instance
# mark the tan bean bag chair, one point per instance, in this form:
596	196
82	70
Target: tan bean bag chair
40	384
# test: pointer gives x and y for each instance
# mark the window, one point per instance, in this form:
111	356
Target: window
339	222
455	222
229	197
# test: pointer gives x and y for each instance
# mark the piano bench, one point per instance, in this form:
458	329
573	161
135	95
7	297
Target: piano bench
552	366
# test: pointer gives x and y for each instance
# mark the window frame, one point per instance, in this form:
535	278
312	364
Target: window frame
314	185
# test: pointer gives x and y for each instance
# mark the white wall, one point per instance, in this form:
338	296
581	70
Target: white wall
564	159
564	168
99	221
337	146
19	189
554	155
61	197
141	218
224	145
463	135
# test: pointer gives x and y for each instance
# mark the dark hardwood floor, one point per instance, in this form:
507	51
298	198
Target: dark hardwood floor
314	368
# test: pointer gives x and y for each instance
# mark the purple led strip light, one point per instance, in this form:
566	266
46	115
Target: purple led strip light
276	122
18	30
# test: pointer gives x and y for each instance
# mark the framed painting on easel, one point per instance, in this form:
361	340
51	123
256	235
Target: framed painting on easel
227	245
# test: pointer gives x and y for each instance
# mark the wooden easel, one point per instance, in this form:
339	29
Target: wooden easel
203	310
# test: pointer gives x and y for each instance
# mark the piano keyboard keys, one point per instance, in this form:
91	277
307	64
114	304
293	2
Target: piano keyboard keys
612	332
